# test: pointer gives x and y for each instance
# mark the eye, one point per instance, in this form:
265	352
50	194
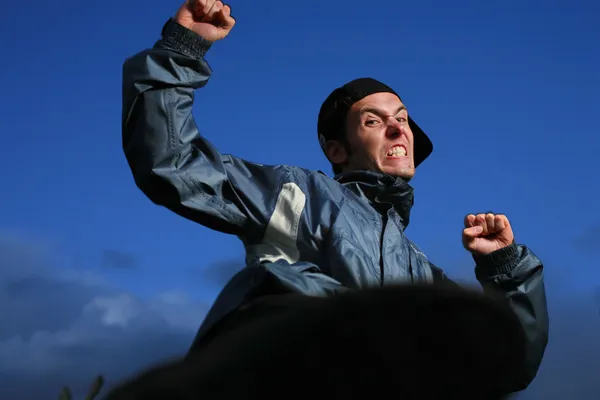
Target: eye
371	122
401	119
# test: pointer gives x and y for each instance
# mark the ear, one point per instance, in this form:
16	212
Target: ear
336	152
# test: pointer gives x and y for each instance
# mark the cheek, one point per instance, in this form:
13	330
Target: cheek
373	148
411	137
365	150
367	143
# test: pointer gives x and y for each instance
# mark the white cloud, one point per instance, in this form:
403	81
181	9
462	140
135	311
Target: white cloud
119	311
64	325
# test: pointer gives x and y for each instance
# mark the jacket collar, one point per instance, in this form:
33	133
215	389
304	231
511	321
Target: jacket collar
383	191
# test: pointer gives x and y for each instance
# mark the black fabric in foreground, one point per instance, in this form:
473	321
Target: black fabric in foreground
406	342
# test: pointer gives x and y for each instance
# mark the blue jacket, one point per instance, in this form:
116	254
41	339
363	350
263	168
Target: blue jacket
303	231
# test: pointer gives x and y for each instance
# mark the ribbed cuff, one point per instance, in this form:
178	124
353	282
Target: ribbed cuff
497	262
178	38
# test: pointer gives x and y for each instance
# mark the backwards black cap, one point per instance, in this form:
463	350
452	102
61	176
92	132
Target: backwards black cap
332	116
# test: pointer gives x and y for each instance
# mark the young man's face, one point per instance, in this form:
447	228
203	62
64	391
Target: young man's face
378	138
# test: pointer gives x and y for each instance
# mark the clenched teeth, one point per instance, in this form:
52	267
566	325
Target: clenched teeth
397	151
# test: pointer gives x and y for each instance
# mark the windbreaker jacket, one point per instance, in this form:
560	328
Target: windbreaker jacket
303	231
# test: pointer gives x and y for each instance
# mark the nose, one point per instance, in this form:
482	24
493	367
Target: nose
394	128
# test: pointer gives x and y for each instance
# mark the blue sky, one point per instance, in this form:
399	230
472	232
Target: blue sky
508	92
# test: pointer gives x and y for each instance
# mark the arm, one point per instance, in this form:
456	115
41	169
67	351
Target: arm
171	162
516	274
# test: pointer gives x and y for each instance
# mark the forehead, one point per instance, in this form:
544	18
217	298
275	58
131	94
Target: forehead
388	103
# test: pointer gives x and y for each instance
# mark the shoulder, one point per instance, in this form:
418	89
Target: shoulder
417	250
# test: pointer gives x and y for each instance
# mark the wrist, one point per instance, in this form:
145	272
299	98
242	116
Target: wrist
497	262
183	40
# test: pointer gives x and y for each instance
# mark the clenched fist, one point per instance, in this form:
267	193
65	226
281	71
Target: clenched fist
208	18
485	233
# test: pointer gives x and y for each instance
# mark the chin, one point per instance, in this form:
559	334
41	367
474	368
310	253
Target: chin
405	173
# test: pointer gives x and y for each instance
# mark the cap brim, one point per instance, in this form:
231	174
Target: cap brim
422	146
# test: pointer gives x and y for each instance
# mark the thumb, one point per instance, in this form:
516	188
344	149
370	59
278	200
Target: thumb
473	231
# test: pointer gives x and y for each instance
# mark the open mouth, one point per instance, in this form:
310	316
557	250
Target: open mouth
397	151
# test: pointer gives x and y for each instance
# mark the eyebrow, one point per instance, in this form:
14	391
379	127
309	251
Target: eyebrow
376	111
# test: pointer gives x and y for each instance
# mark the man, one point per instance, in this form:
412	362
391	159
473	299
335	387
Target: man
310	239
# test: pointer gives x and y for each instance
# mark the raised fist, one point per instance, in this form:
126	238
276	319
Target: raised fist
485	233
208	18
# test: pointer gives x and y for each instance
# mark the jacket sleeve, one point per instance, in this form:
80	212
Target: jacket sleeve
516	274
171	162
